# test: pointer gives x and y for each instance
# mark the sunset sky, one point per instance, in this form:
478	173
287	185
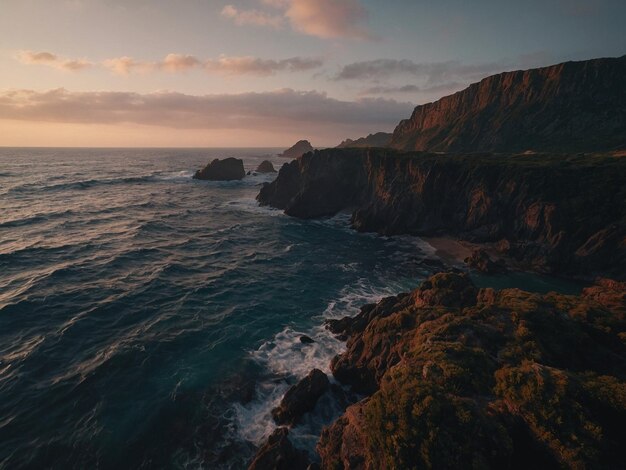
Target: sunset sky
213	73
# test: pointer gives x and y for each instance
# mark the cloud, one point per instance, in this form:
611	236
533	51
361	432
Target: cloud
448	87
282	110
255	66
431	72
325	19
179	62
252	17
52	60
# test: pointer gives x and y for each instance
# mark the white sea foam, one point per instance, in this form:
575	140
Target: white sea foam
287	360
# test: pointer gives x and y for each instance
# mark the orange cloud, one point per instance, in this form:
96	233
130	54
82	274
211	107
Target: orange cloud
320	18
52	60
252	17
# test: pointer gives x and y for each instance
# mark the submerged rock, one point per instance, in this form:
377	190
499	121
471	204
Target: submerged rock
222	170
306	339
278	453
265	167
301	398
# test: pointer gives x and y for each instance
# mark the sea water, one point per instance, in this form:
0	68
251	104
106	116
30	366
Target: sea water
149	320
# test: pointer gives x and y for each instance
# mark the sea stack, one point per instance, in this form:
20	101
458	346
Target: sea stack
298	149
265	167
222	170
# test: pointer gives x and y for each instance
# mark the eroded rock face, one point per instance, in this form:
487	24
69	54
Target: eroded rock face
550	213
265	167
298	149
480	260
380	139
484	379
222	170
279	454
569	107
301	398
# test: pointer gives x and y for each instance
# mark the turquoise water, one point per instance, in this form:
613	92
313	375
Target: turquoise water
148	320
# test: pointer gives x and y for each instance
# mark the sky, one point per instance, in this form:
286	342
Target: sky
265	73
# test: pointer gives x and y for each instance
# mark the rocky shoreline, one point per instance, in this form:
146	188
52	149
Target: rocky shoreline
563	215
453	375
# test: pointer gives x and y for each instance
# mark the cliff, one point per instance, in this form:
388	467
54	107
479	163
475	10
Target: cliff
380	139
569	107
552	213
458	377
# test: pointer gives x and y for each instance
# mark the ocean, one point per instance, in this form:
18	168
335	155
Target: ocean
149	320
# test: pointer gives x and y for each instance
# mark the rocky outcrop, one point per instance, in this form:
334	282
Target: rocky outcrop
569	107
563	214
460	377
279	454
380	139
265	167
298	149
222	170
480	261
301	398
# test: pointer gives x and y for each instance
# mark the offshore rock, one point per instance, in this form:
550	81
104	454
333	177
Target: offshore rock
265	167
301	398
298	149
222	170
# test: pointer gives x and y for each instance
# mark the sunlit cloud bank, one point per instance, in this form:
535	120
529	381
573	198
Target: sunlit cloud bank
53	60
325	19
284	109
176	63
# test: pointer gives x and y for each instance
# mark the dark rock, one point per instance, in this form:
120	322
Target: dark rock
222	170
306	339
301	398
479	260
569	107
278	453
265	167
548	213
380	139
484	379
298	149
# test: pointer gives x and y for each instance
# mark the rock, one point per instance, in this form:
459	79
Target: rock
306	339
279	454
569	107
530	205
484	379
380	139
222	170
479	260
265	167
301	398
298	149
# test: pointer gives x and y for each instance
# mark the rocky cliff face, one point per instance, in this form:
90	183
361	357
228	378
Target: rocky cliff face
552	213
460	377
297	149
574	106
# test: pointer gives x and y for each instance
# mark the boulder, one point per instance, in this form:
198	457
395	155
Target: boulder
278	453
265	167
222	170
479	260
306	339
301	398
